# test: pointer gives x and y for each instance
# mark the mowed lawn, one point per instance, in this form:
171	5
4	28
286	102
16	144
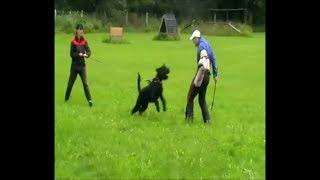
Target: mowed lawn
106	142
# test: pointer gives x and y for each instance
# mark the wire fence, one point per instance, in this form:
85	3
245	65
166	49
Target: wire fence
126	18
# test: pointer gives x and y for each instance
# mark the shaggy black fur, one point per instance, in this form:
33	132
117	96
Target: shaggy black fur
152	92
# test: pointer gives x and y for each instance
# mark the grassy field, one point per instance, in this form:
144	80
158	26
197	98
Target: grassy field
106	142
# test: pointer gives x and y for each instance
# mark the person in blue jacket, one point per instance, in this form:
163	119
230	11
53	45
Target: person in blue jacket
201	80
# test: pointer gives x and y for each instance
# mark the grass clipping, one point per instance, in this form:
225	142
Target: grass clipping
166	37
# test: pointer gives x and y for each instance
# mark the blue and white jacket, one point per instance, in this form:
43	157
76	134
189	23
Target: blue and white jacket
203	44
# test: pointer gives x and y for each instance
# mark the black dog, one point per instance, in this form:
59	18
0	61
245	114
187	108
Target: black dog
152	92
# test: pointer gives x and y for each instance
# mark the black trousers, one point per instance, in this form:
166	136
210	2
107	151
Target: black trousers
193	92
74	71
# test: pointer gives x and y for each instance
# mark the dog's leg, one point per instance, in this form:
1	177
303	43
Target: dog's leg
137	106
143	108
135	109
163	102
157	105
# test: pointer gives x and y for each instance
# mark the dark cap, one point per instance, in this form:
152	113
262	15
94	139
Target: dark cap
79	26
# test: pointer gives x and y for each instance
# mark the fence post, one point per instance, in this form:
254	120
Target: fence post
245	16
250	17
126	17
146	18
81	13
227	16
55	14
70	12
215	18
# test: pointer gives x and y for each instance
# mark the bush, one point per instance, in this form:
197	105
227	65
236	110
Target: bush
139	26
67	23
117	18
131	28
64	24
153	25
165	37
220	29
260	28
97	23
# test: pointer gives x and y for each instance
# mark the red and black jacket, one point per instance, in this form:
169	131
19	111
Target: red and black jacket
79	46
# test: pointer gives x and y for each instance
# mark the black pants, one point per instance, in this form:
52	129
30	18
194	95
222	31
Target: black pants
193	92
74	71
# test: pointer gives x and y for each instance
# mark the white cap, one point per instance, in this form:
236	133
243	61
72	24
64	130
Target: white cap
195	33
203	53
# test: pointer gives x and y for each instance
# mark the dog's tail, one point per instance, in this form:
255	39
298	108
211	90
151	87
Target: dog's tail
139	79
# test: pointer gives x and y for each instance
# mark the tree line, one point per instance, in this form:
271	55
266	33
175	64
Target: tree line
183	9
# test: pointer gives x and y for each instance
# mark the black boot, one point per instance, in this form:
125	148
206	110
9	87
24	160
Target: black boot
189	114
205	113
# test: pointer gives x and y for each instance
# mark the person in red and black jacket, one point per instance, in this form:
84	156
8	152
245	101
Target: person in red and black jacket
79	51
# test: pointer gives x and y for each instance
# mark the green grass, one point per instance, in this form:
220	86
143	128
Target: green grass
106	142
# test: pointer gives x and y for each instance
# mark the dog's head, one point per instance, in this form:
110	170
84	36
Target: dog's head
162	72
